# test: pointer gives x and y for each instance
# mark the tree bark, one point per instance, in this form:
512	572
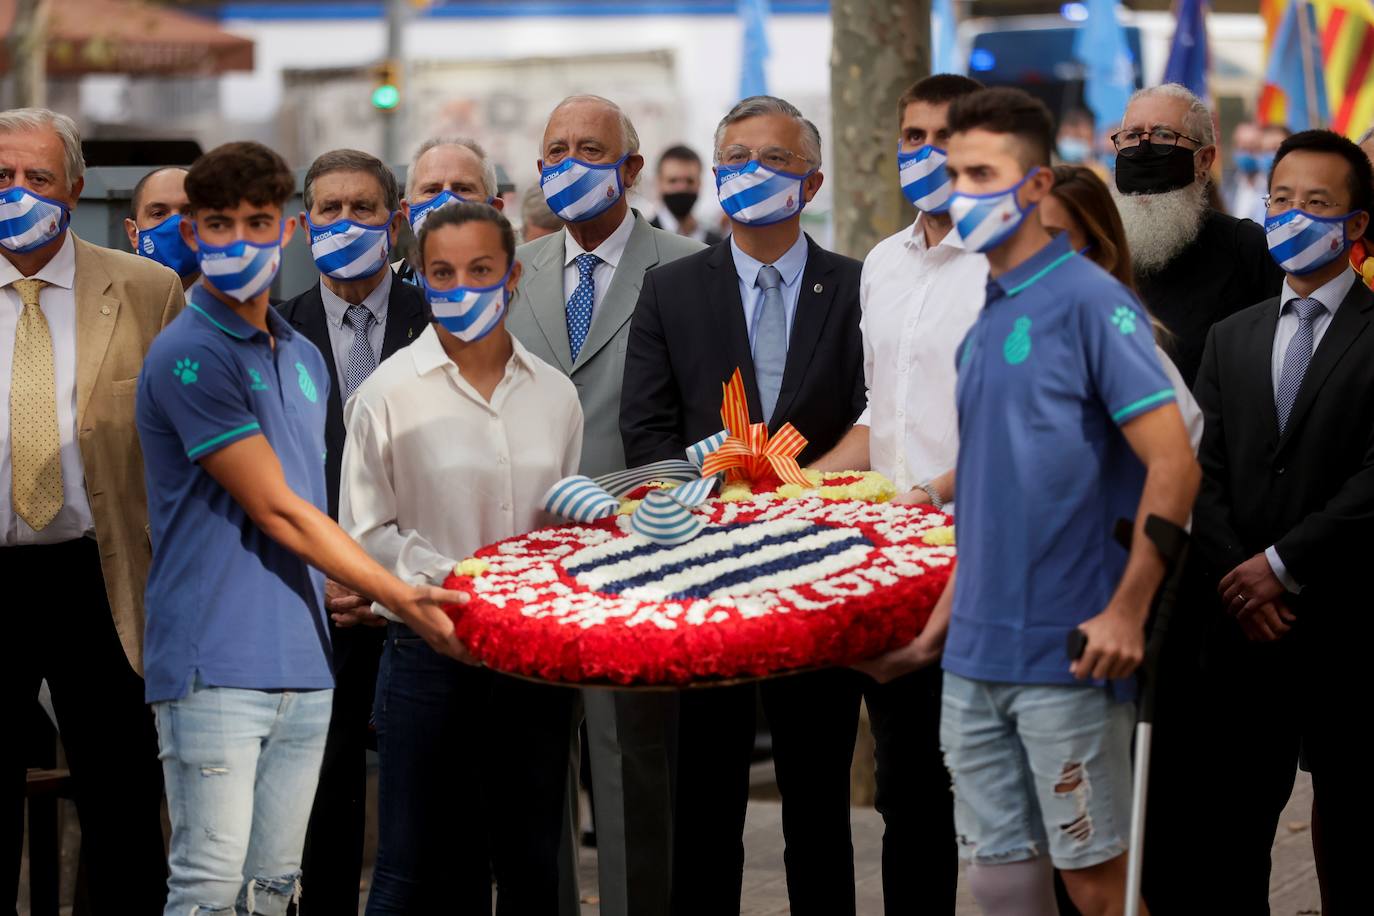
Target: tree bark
29	53
878	49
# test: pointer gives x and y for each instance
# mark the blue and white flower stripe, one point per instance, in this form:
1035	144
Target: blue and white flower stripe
697	453
1301	243
350	250
28	221
924	179
759	196
577	190
240	270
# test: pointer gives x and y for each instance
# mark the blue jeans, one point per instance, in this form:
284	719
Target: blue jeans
1038	767
472	786
241	768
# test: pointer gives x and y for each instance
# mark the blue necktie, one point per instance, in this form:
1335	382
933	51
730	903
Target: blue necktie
1295	361
580	305
361	359
770	340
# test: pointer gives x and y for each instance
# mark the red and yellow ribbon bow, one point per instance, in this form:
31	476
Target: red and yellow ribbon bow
748	452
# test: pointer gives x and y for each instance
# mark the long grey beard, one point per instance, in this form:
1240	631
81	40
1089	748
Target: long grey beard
1159	226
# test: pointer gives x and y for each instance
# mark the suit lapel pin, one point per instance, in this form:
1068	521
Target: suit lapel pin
410	333
818	288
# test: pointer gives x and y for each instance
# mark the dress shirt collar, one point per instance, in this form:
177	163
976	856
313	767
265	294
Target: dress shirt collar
1330	294
205	304
429	354
608	251
916	238
59	271
790	265
376	301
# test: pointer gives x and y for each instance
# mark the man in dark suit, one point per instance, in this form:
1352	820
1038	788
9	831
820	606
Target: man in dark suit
1283	526
678	182
358	315
785	312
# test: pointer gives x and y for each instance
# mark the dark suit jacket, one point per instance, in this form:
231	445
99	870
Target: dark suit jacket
1310	491
712	237
406	316
688	335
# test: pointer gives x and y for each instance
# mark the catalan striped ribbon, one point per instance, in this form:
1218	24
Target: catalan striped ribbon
748	453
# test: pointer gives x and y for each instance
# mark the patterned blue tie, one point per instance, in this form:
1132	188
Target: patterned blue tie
580	305
1296	359
770	340
361	359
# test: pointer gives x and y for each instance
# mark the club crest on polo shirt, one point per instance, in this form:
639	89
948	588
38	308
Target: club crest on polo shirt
1017	347
307	384
255	380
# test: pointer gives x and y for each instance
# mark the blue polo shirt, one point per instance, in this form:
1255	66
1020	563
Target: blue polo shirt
1061	357
225	601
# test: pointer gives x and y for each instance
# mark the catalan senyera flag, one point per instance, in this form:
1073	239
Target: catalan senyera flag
1347	41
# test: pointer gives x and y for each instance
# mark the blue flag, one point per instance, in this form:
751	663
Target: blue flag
1188	54
1109	77
753	79
944	43
1299	75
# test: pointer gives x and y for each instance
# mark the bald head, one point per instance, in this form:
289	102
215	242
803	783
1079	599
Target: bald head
591	117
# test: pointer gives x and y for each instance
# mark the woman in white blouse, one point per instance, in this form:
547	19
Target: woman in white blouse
452	443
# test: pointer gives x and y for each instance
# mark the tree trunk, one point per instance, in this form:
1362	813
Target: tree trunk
29	53
879	48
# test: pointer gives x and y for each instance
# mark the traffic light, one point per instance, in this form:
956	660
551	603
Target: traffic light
386	86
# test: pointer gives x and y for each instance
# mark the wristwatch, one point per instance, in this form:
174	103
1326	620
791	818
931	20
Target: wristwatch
936	499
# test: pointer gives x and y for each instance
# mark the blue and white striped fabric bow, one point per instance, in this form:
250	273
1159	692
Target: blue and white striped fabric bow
924	180
577	190
664	516
758	196
28	221
348	249
240	270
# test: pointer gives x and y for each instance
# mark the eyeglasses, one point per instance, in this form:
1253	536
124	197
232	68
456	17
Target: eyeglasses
778	158
1160	136
1278	203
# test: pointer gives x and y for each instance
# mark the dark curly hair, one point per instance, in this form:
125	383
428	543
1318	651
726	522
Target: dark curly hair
234	172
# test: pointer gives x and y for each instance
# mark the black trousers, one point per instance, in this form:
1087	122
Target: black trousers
813	719
920	855
61	630
1271	703
332	865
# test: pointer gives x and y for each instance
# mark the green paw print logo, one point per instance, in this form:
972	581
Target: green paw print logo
255	379
1016	349
186	371
307	383
1124	319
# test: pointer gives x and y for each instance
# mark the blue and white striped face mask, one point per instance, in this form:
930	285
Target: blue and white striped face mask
350	250
924	180
1300	242
469	312
579	191
421	212
984	221
755	195
28	221
241	270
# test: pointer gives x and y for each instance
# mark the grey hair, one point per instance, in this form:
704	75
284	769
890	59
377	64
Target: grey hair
352	160
758	105
20	119
489	181
534	210
627	127
1365	137
1197	120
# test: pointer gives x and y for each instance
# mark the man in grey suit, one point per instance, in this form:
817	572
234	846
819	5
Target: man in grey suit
577	295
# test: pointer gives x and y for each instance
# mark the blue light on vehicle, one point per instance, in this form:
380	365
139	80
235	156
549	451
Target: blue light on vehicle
1074	12
982	59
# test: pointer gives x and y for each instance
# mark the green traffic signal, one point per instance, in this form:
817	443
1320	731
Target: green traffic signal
386	96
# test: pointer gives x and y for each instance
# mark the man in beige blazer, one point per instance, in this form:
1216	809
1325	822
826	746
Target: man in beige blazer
75	323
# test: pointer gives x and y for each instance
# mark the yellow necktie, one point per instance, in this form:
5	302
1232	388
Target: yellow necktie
35	444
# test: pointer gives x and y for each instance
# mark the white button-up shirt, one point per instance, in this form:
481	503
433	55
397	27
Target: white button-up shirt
918	303
609	251
341	333
58	301
432	471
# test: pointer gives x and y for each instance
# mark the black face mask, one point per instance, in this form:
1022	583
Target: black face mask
1150	169
680	203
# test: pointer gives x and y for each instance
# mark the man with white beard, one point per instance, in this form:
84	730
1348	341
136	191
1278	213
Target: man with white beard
1194	265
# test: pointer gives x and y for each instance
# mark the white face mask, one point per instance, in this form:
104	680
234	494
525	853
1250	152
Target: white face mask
755	195
28	222
984	221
